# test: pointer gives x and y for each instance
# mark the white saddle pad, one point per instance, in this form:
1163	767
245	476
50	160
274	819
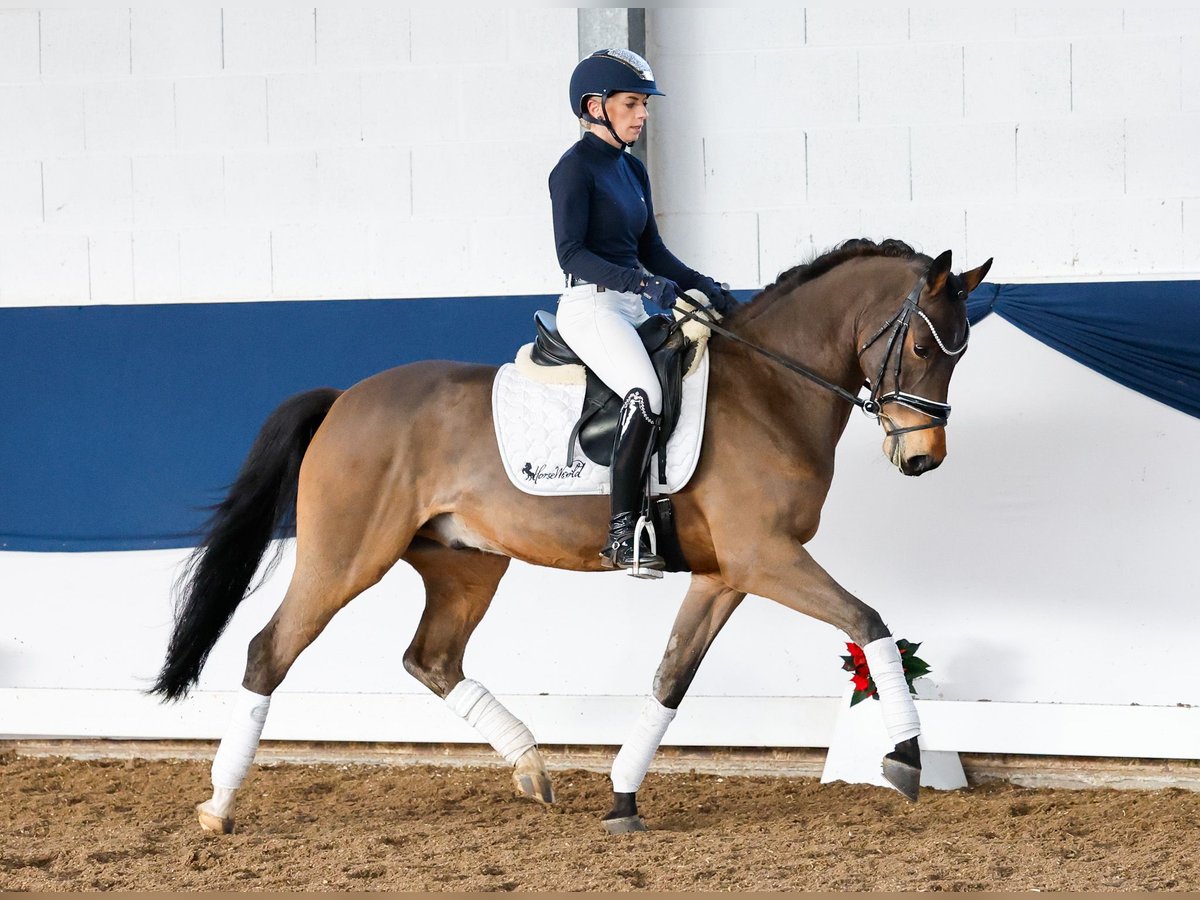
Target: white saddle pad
534	421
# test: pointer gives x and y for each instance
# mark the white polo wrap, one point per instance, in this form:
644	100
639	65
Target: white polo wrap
633	760
236	752
899	712
487	715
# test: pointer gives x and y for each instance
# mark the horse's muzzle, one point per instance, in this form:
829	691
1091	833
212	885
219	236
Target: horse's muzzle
916	452
915	465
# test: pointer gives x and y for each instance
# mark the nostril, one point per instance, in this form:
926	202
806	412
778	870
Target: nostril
917	464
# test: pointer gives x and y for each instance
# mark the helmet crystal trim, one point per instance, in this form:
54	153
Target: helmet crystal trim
630	59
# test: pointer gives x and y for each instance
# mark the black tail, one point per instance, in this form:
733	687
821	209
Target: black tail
258	507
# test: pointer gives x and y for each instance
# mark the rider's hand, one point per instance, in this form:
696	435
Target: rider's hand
661	291
718	295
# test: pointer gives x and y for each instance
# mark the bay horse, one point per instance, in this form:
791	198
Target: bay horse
405	465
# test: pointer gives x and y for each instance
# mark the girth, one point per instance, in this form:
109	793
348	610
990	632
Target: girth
670	353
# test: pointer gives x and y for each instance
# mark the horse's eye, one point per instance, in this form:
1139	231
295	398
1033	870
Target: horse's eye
921	350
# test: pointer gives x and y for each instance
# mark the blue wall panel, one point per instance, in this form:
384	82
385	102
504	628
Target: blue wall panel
118	424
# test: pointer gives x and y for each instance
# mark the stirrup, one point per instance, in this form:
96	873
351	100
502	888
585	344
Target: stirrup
648	567
655	562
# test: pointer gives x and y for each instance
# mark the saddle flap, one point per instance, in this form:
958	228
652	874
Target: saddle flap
597	426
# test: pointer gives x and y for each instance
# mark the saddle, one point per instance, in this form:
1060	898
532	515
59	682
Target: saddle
671	353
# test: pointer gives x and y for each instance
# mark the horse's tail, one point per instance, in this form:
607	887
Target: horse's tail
259	506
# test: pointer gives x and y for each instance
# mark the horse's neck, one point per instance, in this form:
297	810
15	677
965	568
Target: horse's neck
812	325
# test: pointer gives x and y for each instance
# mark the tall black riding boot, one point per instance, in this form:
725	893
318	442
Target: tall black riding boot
634	446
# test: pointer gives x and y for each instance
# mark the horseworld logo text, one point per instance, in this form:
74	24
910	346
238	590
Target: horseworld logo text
552	473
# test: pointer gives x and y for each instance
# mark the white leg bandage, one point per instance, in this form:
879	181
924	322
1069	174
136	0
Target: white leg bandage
633	760
899	711
236	752
487	715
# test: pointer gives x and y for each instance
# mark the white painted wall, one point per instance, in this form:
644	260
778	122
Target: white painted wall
1060	141
366	150
273	150
276	150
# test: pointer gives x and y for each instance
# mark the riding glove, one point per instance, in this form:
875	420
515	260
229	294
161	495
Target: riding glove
661	291
718	295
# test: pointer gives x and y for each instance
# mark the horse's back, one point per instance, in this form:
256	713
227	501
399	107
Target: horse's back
421	415
427	395
426	381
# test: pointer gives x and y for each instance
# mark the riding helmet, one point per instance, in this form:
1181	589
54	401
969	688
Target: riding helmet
608	72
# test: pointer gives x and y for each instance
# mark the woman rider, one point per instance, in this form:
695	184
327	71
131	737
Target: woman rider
611	252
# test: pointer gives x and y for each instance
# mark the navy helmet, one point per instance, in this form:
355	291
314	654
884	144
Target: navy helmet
608	72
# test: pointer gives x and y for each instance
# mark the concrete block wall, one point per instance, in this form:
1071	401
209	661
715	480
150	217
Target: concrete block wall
1060	141
272	150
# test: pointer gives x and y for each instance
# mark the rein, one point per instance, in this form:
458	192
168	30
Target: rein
873	404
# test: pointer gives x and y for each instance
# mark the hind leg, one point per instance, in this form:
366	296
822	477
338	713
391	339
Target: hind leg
351	529
307	608
459	586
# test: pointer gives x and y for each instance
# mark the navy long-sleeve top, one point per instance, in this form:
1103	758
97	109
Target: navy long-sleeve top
604	219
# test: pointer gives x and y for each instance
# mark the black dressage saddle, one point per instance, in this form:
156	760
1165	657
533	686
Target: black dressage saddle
671	354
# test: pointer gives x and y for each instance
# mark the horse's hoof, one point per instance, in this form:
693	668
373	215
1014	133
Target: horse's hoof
903	776
212	822
531	779
625	825
535	786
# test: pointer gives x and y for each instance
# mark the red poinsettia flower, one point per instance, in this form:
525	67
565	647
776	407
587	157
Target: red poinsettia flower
864	685
856	653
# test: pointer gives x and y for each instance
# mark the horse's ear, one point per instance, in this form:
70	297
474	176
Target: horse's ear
974	278
939	271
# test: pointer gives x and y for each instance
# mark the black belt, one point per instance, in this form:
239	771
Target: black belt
572	281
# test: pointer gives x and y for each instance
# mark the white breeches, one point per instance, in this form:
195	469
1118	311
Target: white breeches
601	327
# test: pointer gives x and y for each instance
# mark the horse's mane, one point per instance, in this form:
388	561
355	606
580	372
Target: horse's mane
830	259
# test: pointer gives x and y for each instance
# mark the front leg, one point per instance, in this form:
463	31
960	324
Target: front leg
706	608
783	571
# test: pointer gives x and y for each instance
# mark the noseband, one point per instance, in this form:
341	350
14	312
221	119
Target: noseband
938	413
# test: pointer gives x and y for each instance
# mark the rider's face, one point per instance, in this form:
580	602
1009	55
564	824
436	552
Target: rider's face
628	113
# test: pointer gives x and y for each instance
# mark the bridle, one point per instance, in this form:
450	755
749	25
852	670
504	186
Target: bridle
872	405
938	413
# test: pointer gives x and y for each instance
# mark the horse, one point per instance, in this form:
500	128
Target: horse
404	465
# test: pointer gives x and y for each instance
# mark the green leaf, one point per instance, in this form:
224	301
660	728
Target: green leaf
916	668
